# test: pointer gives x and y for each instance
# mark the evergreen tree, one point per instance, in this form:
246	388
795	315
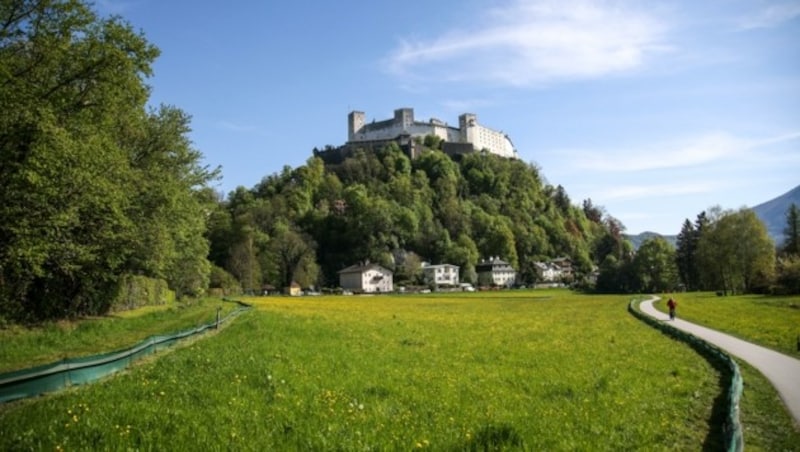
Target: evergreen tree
686	252
791	233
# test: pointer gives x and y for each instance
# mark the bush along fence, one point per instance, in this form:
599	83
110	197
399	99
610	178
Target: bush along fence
732	428
76	371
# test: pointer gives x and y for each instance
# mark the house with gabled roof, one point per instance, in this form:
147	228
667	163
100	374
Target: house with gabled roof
366	277
495	272
554	270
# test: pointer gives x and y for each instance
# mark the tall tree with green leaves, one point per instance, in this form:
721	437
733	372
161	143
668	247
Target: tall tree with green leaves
89	177
294	256
654	266
69	82
791	233
735	252
685	256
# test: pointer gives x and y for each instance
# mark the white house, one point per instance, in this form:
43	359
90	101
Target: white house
555	270
366	278
441	275
547	272
495	272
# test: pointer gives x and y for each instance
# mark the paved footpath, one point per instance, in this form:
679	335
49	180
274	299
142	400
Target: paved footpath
781	370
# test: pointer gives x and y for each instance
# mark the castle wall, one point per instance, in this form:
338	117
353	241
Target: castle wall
496	142
469	131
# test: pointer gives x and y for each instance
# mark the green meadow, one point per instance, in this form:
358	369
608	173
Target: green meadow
771	321
528	370
23	347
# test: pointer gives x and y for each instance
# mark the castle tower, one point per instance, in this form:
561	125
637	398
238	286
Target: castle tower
355	122
405	117
466	125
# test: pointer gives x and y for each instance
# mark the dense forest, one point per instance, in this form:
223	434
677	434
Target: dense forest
106	205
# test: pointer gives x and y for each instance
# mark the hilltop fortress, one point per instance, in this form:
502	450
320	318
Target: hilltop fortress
468	137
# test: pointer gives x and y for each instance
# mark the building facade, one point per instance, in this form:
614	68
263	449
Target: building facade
441	275
403	127
495	272
366	278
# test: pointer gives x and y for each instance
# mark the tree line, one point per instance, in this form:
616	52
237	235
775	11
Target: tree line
726	251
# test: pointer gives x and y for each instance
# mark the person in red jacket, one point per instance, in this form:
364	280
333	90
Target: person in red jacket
672	304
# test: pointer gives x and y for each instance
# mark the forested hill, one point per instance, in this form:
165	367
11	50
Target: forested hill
306	224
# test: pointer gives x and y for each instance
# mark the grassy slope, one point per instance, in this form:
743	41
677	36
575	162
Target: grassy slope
26	347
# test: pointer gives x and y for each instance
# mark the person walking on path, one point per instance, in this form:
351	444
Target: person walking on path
781	370
672	304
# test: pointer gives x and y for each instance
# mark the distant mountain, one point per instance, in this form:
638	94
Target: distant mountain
773	212
638	239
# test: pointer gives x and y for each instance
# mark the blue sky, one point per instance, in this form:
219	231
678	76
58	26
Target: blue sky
654	110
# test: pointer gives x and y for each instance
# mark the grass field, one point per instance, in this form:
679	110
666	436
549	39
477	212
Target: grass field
22	347
517	370
773	322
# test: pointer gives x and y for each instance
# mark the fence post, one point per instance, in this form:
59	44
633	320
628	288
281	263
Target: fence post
219	310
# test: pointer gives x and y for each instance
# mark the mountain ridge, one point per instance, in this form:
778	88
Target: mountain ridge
773	212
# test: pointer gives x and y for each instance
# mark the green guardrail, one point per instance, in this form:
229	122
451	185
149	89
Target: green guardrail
51	377
732	429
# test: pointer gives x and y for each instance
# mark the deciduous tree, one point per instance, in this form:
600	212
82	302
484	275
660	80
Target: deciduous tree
735	253
654	265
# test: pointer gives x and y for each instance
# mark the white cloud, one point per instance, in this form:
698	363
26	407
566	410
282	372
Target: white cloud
628	192
703	150
772	16
530	42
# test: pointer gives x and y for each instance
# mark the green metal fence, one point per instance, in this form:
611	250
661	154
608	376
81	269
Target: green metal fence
732	429
75	371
